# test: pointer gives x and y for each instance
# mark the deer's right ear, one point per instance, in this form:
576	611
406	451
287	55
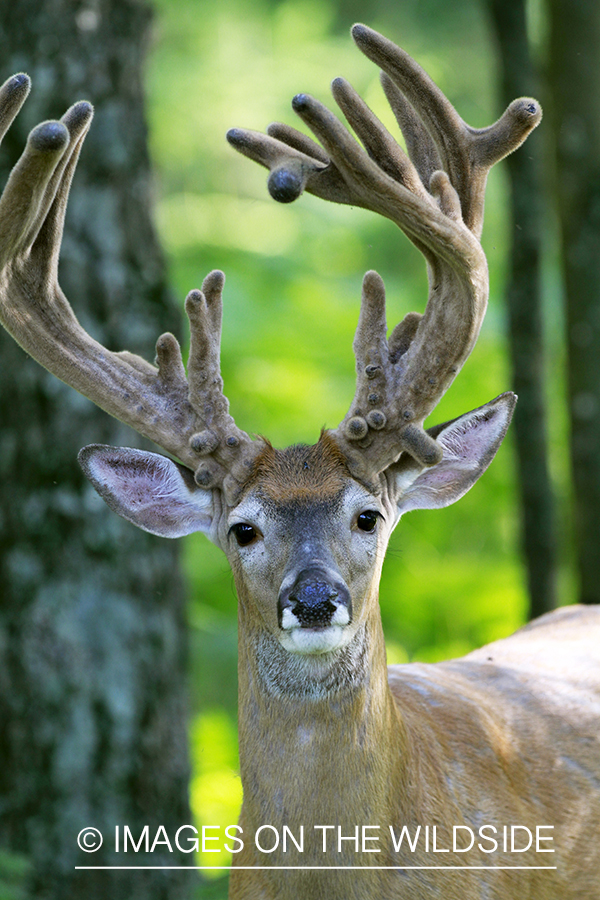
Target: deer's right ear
149	490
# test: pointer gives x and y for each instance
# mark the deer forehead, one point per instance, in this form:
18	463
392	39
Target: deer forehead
301	473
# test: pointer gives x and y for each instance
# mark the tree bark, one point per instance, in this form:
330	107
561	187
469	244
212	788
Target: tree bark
92	637
574	77
524	303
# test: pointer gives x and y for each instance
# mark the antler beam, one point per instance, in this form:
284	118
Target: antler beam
435	194
188	418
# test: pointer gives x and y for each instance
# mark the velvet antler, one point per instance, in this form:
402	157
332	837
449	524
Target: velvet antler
186	417
435	194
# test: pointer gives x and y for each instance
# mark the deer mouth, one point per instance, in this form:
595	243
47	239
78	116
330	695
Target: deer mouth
314	641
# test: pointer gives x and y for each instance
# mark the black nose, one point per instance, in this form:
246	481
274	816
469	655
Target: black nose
313	598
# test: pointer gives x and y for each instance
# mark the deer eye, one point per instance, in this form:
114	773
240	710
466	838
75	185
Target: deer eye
367	521
243	533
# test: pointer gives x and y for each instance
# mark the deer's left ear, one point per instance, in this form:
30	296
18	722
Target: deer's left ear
469	444
149	490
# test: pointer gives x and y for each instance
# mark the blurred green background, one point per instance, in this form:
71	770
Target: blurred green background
453	579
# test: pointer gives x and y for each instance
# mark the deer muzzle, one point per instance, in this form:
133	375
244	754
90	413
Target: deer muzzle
317	599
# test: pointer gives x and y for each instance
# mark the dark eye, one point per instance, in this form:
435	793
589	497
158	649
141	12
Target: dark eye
244	534
367	521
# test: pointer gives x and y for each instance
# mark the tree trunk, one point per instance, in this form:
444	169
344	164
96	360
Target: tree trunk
574	77
92	638
524	301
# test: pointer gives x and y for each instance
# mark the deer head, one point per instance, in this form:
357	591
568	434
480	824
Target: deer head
306	528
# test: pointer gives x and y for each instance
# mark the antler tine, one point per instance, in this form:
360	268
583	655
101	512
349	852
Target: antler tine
422	218
467	154
293	163
386	414
297	140
419	143
352	177
382	148
190	421
13	95
228	452
50	214
435	194
296	163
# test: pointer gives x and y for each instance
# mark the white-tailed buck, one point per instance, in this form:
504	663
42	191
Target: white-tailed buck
416	781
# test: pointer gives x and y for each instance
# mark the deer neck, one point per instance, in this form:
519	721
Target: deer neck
320	739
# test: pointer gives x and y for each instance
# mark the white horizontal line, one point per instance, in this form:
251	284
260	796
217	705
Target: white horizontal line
228	868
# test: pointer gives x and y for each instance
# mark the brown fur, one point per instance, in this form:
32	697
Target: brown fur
301	473
508	735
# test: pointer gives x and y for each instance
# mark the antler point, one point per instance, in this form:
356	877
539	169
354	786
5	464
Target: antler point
165	340
235	136
526	109
20	80
214	281
373	277
300	102
81	111
286	183
49	137
194	297
359	31
212	287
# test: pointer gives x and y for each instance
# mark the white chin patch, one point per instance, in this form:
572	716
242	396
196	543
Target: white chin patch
313	641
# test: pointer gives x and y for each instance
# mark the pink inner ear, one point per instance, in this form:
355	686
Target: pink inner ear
149	490
473	436
470	444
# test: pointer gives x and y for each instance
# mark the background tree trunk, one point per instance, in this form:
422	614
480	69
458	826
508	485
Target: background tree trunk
574	80
524	303
92	639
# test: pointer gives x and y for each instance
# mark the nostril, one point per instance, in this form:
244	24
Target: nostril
314	613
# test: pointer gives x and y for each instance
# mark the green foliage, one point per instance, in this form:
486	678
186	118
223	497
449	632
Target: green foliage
452	579
15	870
